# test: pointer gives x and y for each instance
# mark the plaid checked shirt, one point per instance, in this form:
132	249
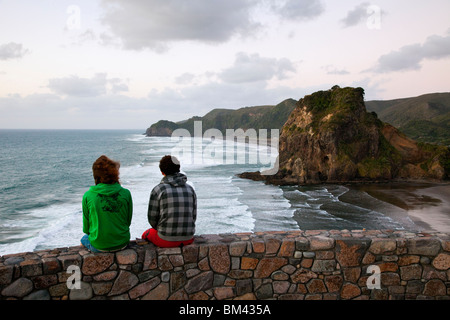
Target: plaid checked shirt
172	209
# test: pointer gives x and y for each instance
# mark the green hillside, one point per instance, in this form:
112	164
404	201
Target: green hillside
425	118
258	117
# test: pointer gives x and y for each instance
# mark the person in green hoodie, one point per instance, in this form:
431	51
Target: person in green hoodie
107	209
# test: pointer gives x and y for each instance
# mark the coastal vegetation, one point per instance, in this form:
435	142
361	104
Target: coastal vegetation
425	118
257	117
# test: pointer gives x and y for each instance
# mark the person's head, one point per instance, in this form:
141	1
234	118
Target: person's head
169	165
105	170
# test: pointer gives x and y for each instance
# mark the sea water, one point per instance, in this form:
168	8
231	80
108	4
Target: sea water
44	174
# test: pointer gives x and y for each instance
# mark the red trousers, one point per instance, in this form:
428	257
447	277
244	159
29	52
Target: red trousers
152	236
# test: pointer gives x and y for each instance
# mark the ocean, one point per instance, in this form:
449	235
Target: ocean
44	174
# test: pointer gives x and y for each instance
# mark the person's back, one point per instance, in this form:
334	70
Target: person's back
172	209
107	209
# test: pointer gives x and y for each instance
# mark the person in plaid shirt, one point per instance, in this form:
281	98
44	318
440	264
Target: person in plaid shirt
172	209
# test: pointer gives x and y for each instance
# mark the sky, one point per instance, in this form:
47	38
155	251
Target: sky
126	64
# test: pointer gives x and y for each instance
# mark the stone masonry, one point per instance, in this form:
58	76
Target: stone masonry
294	265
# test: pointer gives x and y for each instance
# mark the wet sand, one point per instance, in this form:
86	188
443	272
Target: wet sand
426	204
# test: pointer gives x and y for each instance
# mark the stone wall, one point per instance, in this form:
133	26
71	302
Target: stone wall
301	265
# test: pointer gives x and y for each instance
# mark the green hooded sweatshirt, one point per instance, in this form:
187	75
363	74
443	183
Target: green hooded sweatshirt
107	213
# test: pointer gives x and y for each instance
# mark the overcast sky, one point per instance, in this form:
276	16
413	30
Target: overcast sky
125	64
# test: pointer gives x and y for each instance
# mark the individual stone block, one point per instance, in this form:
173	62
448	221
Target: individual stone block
19	288
350	291
222	293
442	261
287	248
179	295
301	244
58	290
6	274
424	246
258	246
237	249
352	274
272	245
164	263
105	276
435	288
124	282
248	263
324	265
316	286
381	246
321	243
50	265
38	295
219	259
264	292
126	257
96	263
408	260
280	287
190	254
161	292
268	265
150	259
43	282
70	260
31	268
84	293
176	260
334	283
101	288
303	276
201	282
349	253
412	272
244	286
144	288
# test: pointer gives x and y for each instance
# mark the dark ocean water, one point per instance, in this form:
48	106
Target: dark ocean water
44	173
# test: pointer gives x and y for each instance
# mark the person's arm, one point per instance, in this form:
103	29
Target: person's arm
194	213
153	209
130	209
85	215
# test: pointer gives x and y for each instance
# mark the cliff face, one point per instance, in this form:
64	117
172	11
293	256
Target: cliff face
330	137
162	128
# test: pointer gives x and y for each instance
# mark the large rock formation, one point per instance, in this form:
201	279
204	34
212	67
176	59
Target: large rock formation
330	137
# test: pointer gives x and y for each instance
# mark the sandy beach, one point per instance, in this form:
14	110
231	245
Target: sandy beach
426	204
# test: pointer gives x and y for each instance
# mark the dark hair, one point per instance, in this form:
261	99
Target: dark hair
106	170
169	165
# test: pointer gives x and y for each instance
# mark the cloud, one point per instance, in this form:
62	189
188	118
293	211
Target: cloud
75	86
117	85
410	57
356	15
253	68
299	9
39	111
334	71
155	24
185	78
364	13
12	50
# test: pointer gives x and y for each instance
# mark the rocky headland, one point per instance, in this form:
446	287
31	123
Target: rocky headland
331	138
